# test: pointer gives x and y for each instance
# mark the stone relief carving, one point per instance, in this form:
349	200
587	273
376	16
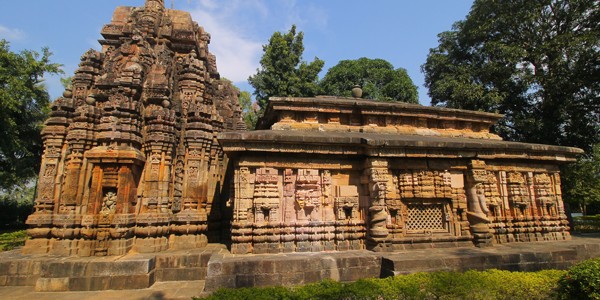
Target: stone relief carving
133	111
517	192
109	203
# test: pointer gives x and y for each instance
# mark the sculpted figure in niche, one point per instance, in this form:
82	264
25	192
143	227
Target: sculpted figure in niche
109	203
517	193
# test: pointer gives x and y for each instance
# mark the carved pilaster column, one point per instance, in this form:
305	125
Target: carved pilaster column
50	178
476	204
378	180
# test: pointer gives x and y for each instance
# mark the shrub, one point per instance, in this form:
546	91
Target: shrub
581	281
521	285
490	284
16	204
587	223
11	240
269	293
324	290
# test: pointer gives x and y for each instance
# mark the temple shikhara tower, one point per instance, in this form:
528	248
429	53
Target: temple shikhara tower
148	151
131	159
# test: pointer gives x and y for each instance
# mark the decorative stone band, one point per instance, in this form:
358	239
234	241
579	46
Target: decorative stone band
104	154
385	145
334	114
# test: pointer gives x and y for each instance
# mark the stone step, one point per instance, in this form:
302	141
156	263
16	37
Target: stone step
129	272
231	271
181	290
216	267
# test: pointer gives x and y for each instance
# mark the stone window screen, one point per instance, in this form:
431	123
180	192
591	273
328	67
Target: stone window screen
423	217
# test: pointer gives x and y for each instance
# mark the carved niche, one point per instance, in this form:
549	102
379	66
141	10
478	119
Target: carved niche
426	196
545	195
347	202
267	195
308	195
518	195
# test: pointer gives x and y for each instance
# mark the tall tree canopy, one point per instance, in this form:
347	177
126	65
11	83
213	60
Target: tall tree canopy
23	108
282	72
537	61
581	182
377	77
249	109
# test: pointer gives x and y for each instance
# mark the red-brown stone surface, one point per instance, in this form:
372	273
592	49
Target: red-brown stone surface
134	160
329	173
131	159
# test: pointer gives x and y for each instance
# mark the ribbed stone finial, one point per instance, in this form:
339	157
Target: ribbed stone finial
357	91
155	3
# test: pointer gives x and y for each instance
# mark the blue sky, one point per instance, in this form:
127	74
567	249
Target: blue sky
399	31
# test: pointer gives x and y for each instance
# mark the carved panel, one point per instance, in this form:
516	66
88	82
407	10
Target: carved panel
545	195
347	202
424	184
518	195
266	195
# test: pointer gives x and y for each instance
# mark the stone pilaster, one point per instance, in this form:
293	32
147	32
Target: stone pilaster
379	179
477	213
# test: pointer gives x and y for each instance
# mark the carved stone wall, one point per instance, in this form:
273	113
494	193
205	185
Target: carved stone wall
526	205
291	209
131	159
295	210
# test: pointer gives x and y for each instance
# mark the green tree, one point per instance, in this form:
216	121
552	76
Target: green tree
249	109
377	77
536	61
582	182
282	72
23	108
66	82
16	204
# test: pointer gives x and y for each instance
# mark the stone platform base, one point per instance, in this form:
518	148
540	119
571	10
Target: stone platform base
218	268
133	271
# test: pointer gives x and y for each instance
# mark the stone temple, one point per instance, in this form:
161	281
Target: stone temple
131	159
148	152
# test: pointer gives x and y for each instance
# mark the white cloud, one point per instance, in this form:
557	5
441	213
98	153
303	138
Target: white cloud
11	33
237	54
209	4
237	28
302	14
319	16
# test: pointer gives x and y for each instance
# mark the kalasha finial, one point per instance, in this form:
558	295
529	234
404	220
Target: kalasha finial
357	91
155	4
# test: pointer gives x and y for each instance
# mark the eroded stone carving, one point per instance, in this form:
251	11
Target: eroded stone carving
131	159
390	176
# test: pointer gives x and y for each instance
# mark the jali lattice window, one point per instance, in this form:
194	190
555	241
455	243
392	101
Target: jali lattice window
426	217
